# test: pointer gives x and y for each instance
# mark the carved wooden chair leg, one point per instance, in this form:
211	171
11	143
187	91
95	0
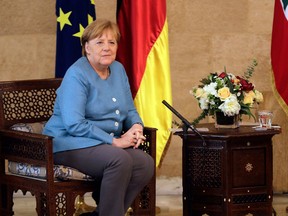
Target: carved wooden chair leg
81	206
6	200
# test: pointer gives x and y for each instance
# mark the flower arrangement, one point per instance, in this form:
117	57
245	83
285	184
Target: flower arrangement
227	93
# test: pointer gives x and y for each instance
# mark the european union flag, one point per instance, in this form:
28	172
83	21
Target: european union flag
72	18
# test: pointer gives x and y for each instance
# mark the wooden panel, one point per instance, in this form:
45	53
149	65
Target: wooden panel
249	167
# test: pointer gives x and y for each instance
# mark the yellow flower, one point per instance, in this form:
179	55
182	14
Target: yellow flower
198	92
249	97
224	93
236	81
258	96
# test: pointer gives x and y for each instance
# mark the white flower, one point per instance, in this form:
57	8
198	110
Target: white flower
211	89
231	76
230	107
203	103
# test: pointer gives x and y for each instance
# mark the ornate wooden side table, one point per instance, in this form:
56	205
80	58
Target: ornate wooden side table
231	175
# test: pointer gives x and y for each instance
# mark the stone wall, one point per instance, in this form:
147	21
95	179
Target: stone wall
204	37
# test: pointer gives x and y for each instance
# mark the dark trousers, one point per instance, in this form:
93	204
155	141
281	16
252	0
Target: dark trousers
124	173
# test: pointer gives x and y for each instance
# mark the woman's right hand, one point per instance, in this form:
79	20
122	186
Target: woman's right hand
131	138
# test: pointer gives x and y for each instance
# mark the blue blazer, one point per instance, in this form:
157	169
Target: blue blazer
89	111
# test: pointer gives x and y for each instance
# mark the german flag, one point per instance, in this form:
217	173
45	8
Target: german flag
144	52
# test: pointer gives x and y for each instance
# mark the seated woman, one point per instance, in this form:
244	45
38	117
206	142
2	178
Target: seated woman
95	125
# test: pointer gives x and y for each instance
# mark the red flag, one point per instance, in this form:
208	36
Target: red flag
143	50
279	52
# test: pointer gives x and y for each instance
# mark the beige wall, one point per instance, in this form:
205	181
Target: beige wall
204	37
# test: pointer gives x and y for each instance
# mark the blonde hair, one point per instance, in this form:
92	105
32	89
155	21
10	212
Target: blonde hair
96	29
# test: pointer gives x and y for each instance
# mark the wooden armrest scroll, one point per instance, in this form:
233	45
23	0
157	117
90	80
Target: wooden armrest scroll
26	147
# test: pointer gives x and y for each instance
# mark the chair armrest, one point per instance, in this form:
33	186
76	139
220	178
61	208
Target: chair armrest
151	129
26	147
149	145
37	149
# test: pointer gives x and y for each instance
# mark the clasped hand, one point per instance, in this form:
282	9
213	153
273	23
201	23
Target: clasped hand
132	138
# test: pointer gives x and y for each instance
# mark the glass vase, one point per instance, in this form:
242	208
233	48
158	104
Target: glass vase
222	121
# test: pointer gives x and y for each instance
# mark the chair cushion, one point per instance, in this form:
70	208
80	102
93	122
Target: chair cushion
36	127
60	172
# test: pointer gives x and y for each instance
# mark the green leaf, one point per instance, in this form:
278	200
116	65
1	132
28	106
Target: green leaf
250	70
200	117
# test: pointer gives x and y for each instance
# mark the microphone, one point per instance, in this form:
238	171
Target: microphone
185	121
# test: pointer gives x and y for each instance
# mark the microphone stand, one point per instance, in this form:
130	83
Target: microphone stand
186	123
186	126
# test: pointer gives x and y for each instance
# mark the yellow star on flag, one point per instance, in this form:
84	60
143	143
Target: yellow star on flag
81	30
90	19
63	19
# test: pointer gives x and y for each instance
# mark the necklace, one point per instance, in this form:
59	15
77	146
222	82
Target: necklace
106	75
